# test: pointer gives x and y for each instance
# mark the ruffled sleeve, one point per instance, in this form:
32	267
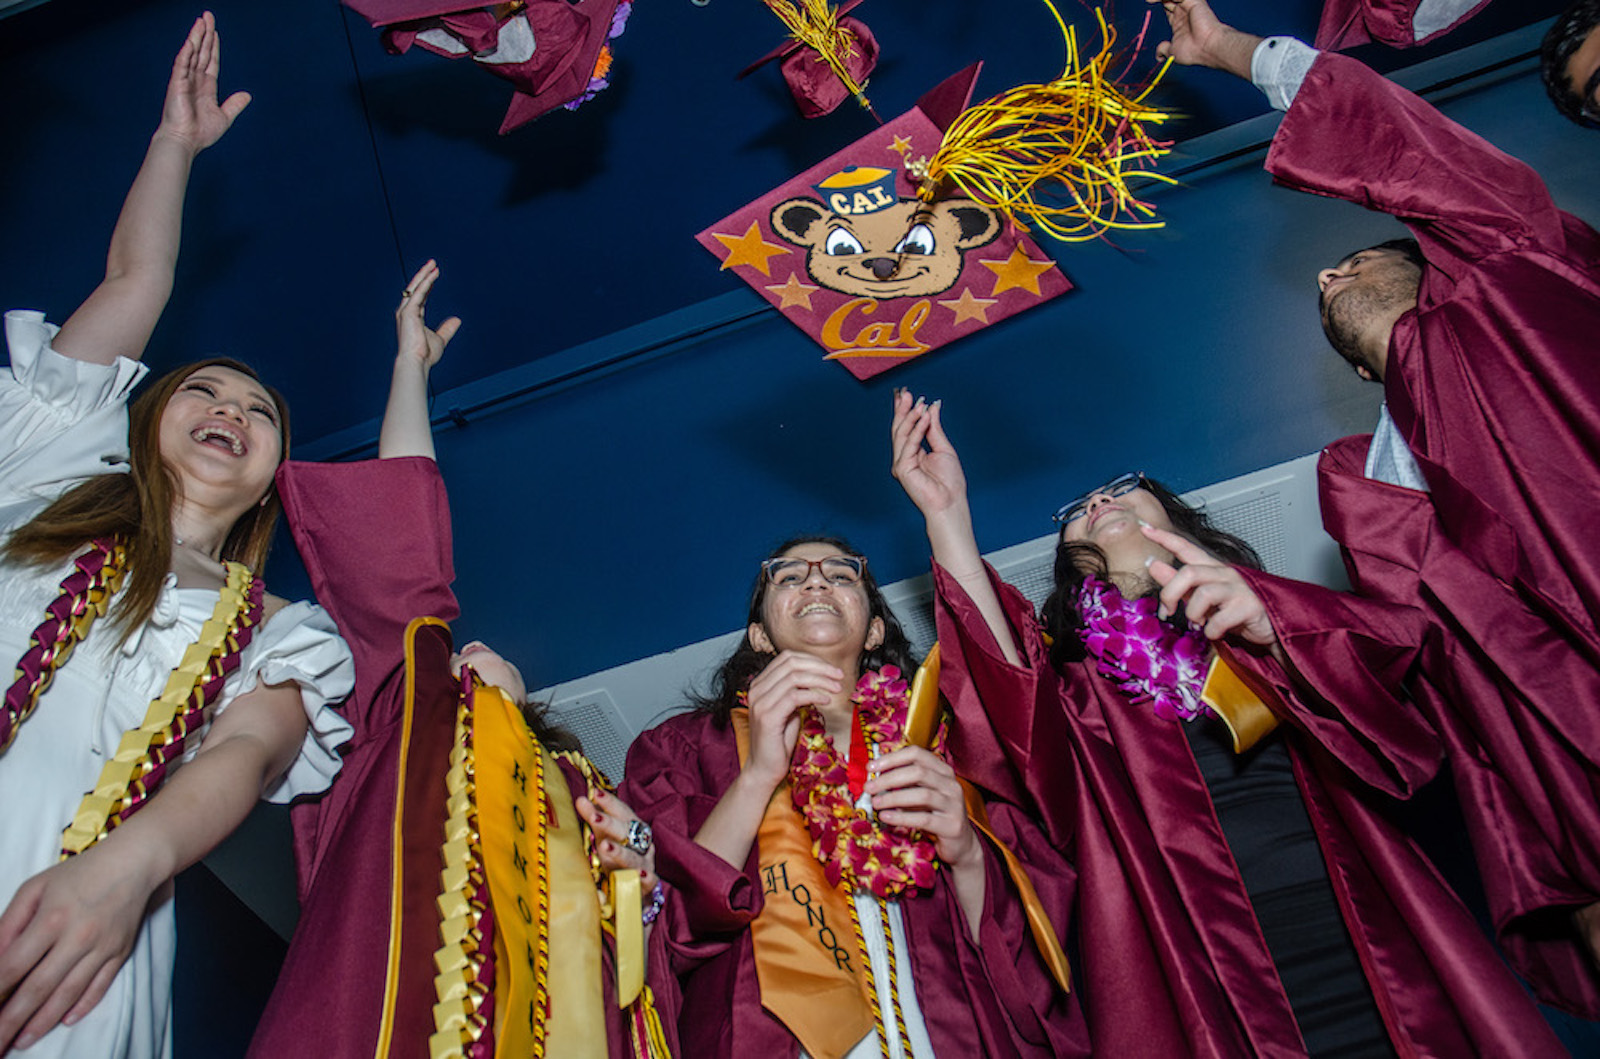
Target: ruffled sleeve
299	644
61	419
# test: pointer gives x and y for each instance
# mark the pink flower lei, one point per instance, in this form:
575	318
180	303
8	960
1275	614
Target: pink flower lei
850	843
1147	658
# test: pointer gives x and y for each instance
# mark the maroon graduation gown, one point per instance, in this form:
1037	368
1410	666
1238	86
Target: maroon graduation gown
1347	23
1173	959
1494	380
375	538
1455	664
992	998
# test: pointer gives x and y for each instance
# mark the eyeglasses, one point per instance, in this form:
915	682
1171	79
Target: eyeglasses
789	572
1069	513
1591	98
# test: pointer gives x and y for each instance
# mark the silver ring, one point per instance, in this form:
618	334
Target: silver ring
639	837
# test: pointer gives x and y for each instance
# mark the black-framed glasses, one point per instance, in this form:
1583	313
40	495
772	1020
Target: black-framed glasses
1071	512
789	572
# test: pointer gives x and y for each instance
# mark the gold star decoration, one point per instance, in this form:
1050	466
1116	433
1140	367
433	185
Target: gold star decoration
750	249
967	307
901	146
1019	270
793	292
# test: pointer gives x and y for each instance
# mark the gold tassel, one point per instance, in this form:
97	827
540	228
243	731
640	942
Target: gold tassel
1060	154
814	24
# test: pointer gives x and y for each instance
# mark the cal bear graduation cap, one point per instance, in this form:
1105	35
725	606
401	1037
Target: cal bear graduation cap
553	52
911	237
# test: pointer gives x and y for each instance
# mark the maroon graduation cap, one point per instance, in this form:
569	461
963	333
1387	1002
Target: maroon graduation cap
816	86
553	52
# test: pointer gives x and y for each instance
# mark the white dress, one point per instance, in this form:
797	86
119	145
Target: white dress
62	420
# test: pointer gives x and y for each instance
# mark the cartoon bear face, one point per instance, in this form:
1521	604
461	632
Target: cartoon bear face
906	250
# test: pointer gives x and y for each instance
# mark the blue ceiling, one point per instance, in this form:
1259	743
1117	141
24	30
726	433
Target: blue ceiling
353	166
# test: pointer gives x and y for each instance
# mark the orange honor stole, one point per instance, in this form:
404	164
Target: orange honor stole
809	968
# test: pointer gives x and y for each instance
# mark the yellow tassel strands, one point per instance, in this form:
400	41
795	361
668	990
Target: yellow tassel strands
814	24
1059	154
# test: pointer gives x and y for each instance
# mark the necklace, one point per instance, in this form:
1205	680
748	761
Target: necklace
850	843
1146	657
84	595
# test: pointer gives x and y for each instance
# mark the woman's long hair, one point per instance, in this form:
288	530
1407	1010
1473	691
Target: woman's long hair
137	507
1077	561
745	662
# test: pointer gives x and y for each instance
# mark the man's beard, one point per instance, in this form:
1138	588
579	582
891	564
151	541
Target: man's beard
1348	319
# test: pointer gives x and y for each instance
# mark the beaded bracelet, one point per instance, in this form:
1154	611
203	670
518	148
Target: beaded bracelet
658	901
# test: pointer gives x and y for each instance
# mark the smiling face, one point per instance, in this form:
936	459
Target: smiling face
1360	299
221	429
816	615
491	668
904	250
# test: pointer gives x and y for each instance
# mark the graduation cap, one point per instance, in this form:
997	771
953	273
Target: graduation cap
553	52
827	58
917	234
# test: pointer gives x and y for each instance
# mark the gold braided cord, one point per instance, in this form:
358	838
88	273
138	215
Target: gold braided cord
465	965
872	981
1059	154
541	959
85	594
894	977
814	24
146	753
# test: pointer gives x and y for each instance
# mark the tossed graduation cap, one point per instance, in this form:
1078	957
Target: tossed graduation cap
553	52
917	234
827	58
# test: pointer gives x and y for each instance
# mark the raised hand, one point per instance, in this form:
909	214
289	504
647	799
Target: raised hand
1215	597
418	342
925	463
191	114
792	680
610	818
1199	38
63	938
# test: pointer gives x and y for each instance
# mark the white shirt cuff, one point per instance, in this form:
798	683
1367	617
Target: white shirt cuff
1278	66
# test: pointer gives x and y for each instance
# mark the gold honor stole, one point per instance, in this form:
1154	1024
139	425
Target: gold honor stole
1241	709
574	1023
807	963
506	803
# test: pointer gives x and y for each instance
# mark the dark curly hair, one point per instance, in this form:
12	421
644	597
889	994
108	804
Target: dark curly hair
742	666
1076	561
1565	36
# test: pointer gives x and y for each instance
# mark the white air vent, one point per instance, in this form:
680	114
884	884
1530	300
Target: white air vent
594	718
1274	509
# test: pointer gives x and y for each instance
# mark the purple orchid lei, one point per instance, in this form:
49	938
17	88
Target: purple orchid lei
1147	658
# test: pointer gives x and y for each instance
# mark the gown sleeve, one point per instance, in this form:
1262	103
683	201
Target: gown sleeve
667	784
1354	656
1002	737
1352	134
375	539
